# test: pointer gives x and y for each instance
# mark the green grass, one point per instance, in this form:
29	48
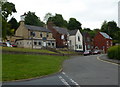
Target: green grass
27	50
18	66
67	52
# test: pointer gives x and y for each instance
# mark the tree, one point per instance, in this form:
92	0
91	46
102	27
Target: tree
32	19
74	24
47	16
58	20
111	29
13	25
7	10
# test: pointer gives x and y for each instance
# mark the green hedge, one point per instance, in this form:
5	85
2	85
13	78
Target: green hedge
114	52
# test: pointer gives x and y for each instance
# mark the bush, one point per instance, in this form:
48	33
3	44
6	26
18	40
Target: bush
114	52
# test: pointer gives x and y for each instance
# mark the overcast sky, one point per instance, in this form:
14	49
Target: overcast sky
91	13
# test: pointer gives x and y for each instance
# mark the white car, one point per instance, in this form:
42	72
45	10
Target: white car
8	44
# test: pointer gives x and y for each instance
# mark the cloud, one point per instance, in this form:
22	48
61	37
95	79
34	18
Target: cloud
89	12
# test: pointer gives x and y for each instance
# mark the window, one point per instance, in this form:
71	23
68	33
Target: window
107	42
88	39
27	42
41	34
47	35
78	38
62	36
80	46
35	43
88	46
39	43
32	34
49	44
76	46
53	44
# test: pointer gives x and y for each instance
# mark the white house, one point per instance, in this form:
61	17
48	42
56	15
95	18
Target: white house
75	40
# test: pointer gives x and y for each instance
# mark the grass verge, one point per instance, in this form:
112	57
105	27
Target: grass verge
27	50
19	66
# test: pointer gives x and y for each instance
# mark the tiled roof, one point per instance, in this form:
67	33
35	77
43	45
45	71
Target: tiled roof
73	32
61	30
37	28
105	35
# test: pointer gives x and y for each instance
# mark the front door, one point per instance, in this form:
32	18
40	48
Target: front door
44	44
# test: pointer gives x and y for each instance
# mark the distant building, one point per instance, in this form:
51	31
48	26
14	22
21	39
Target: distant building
87	41
119	14
60	35
102	41
75	40
28	36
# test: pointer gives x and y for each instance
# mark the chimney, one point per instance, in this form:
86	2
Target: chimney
50	25
22	19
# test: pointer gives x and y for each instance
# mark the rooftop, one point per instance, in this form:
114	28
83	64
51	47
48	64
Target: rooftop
37	28
61	30
105	35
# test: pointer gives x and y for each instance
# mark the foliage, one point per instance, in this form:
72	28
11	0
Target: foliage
74	24
15	67
111	29
58	20
91	32
7	10
47	16
32	19
114	52
13	25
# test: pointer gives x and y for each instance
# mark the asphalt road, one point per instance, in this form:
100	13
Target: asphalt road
77	71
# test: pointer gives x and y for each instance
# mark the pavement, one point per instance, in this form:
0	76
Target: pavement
105	58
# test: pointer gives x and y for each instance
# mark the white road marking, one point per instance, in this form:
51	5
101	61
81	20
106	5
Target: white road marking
63	80
71	79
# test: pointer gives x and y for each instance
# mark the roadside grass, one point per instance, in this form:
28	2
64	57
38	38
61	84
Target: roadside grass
19	66
27	50
67	52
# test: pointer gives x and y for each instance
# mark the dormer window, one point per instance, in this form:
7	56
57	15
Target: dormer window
62	36
32	34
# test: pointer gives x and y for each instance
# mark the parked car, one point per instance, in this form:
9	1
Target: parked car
96	52
14	45
87	52
5	44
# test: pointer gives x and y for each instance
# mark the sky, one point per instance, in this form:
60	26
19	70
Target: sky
90	13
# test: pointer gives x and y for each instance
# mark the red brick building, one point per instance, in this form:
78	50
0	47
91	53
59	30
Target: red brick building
102	41
87	41
60	35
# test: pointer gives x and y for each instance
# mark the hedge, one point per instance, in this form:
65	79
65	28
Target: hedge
114	52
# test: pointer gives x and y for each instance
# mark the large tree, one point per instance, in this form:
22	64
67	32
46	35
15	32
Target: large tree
111	29
47	16
7	10
32	19
74	24
58	20
13	25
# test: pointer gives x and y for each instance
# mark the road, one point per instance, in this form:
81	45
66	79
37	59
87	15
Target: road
78	71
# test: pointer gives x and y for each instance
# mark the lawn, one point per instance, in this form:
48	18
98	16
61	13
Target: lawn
19	66
27	50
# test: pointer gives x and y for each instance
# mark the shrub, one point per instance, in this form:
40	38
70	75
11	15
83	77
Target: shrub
114	52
